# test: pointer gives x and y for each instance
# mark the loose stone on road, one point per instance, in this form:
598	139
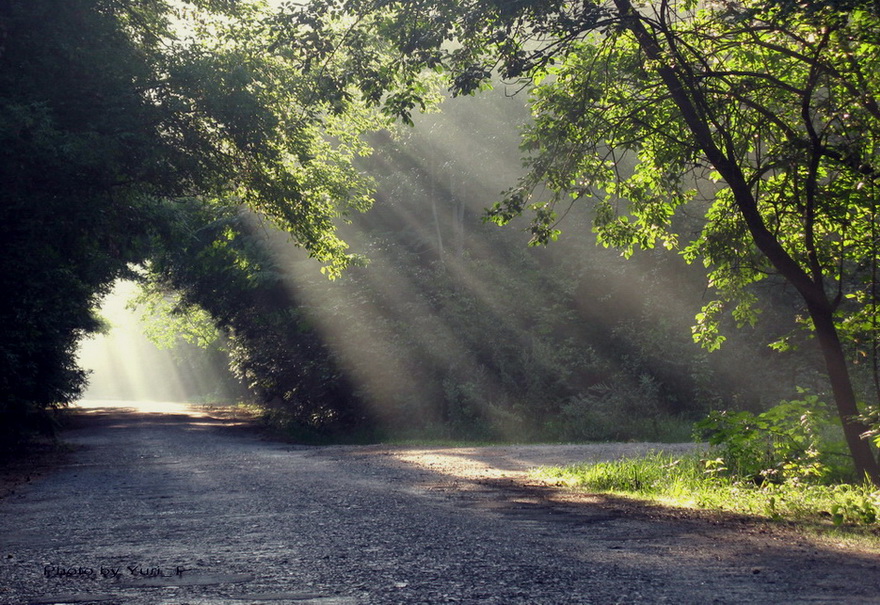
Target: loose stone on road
178	507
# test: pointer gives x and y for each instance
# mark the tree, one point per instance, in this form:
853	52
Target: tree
222	261
775	103
72	134
116	115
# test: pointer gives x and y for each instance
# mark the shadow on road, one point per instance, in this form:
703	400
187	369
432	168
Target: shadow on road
394	524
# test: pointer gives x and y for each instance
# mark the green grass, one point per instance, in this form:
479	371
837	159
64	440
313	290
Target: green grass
687	482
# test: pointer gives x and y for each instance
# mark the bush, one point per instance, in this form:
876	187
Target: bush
691	480
792	441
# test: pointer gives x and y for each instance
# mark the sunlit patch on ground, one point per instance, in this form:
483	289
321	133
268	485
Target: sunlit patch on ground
90	406
460	462
516	461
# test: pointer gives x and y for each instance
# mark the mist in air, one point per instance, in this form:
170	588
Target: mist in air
455	327
125	365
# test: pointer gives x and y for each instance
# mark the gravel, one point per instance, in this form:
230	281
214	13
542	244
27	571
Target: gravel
184	508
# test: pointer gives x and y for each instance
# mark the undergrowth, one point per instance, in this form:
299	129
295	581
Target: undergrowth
690	481
787	463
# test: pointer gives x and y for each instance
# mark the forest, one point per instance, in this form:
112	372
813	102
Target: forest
529	220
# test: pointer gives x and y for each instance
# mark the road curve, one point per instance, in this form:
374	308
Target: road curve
181	508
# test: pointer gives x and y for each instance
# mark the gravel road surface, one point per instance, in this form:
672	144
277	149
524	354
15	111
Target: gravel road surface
184	508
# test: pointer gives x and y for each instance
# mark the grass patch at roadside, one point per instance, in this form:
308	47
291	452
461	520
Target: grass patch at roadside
689	481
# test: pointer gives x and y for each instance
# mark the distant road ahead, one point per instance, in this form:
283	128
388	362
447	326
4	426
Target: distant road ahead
178	507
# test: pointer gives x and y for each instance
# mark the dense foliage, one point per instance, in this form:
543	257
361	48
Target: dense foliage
221	263
634	107
455	329
182	136
117	116
74	136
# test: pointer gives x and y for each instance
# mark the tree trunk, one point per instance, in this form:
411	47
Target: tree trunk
458	223
844	396
440	253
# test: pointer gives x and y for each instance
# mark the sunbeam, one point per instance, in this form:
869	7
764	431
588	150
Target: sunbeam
124	365
404	344
453	316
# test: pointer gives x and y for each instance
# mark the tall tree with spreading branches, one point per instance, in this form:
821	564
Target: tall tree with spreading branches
639	106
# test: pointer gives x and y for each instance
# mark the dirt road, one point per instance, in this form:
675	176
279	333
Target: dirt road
187	509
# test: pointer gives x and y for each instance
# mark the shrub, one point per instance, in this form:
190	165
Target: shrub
792	441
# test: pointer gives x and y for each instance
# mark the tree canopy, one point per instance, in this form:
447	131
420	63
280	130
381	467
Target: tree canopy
742	135
115	117
762	117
